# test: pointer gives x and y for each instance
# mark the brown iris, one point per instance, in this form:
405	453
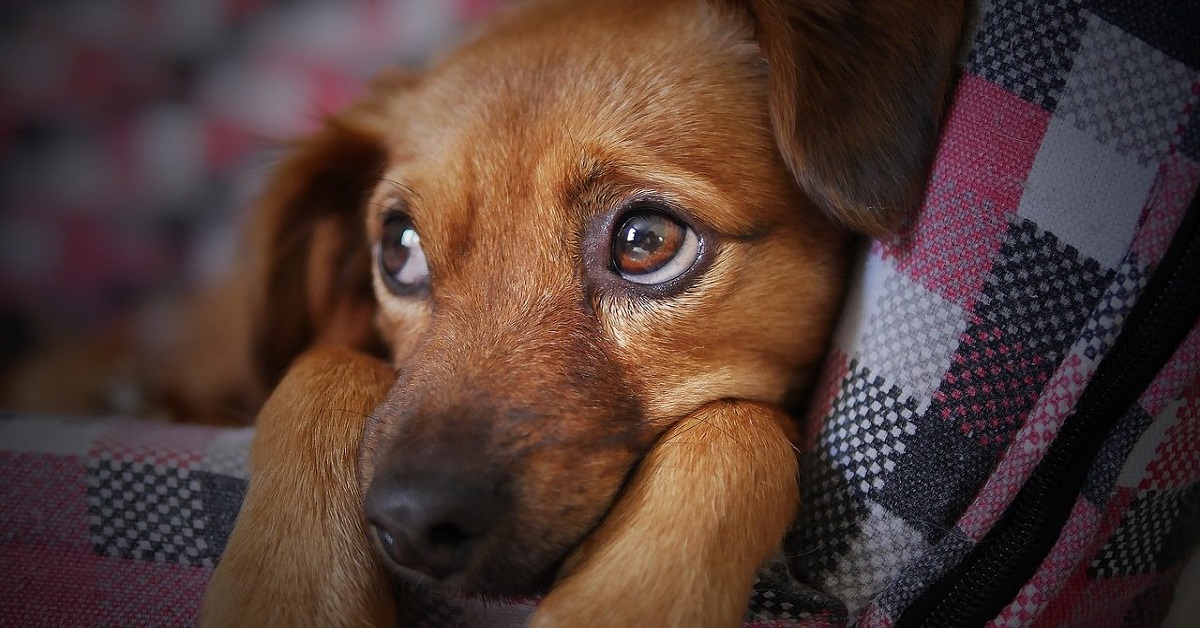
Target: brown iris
646	242
393	253
402	263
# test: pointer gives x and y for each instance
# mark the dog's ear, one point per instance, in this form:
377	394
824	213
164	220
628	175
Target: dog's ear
857	89
311	279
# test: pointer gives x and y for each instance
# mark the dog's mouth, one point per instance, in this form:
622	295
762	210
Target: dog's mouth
414	573
477	542
459	563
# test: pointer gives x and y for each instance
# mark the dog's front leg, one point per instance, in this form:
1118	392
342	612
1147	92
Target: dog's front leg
299	553
709	504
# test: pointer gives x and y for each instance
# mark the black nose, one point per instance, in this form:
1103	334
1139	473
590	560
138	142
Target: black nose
432	523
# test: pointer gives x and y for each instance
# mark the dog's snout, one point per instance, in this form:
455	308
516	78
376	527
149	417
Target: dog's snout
431	523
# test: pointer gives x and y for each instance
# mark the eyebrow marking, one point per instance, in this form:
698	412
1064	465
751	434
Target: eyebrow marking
583	184
602	182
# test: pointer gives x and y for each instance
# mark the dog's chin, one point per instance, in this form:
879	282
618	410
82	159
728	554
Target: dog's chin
485	579
466	585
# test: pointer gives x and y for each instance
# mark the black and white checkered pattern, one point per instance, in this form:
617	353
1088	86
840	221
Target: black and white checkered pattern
1125	93
148	511
1028	46
1040	292
872	422
1155	534
164	512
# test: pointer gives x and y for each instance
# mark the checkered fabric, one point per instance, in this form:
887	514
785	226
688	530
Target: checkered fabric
113	522
1070	154
1067	162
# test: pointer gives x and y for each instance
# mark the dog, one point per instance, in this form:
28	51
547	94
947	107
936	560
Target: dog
601	246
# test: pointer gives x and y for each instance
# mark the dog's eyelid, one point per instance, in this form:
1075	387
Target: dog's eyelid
379	211
392	197
681	210
392	206
399	190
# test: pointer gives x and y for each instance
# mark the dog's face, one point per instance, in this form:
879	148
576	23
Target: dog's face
584	231
582	226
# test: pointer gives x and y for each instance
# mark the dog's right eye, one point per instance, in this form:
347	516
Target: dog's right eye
402	263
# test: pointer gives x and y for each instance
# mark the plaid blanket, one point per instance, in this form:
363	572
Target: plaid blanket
113	521
1069	159
1068	164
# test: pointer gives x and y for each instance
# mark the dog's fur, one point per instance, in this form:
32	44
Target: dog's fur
638	435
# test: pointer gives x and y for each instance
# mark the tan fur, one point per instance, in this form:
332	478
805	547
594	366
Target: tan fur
723	483
299	553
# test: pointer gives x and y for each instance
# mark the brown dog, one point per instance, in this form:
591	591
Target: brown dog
602	247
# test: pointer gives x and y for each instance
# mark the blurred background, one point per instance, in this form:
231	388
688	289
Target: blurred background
134	134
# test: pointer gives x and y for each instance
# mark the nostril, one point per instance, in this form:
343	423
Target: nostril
389	544
448	535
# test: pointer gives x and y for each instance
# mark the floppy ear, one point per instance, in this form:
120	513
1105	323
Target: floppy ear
311	277
857	89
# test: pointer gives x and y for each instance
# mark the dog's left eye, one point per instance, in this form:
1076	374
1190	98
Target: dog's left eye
402	261
650	247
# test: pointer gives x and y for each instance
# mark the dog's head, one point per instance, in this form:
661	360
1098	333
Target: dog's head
586	223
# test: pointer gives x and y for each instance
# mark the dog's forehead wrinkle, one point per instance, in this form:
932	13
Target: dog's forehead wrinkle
518	82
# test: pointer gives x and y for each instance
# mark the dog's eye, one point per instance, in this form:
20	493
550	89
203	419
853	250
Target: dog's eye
401	259
650	247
